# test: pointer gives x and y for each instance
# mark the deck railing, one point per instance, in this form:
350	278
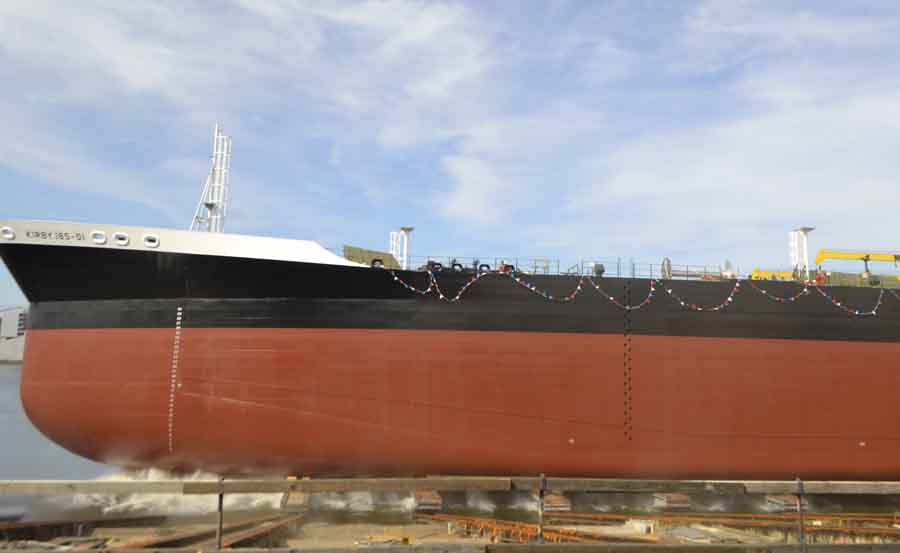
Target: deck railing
621	267
609	266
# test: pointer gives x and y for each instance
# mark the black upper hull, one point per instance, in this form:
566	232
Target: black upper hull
75	287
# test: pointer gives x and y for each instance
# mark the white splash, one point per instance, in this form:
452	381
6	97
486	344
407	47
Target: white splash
396	502
356	502
718	506
169	504
527	502
480	501
408	504
761	505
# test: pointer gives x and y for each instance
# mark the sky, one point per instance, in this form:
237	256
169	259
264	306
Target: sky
700	131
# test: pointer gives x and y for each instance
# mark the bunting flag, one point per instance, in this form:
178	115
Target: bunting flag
434	287
621	305
546	295
462	290
839	304
779	299
410	287
694	307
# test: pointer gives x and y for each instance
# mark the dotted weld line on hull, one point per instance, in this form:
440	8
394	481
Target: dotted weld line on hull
173	377
627	388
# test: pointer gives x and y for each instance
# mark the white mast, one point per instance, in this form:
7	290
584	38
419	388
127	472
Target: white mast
400	246
210	214
800	251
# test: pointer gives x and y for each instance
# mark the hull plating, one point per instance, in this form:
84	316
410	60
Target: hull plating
232	364
375	401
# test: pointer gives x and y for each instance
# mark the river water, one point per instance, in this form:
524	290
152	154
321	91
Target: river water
26	454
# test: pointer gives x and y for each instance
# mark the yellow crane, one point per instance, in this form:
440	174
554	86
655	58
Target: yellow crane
857	256
865	257
761	274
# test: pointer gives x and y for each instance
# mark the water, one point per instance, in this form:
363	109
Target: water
26	454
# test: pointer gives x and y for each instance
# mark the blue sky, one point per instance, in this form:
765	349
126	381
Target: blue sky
695	130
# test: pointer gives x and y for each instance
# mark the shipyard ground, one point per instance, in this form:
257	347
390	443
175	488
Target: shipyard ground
453	522
316	536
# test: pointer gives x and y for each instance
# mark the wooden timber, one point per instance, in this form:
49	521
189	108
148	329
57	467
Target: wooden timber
45	530
192	537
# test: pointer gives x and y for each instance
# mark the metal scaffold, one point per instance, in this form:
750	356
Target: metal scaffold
213	206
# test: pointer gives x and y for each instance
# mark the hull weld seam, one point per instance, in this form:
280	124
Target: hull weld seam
627	363
173	376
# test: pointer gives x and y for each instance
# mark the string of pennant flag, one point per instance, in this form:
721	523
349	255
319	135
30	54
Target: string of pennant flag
804	291
694	307
840	305
434	287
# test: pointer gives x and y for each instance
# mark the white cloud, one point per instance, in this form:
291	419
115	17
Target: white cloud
377	73
831	165
107	42
477	193
729	116
805	134
780	26
55	159
717	36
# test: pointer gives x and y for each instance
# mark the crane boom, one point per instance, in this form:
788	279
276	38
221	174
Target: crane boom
856	256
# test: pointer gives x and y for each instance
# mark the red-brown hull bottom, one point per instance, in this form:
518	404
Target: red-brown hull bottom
391	402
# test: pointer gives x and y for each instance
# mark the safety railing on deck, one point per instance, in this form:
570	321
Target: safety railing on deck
608	266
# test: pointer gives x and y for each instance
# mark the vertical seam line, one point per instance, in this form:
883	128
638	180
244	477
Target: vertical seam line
173	376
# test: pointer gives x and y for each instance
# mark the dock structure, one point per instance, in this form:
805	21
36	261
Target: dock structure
524	532
555	530
230	535
428	500
451	483
786	503
672	501
46	530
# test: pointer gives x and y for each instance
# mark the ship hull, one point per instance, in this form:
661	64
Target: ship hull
189	358
403	402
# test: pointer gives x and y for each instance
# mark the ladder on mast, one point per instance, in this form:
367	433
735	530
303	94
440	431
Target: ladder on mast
213	206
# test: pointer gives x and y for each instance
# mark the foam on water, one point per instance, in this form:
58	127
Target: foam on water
480	501
167	504
177	504
718	506
524	502
355	502
362	502
397	502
